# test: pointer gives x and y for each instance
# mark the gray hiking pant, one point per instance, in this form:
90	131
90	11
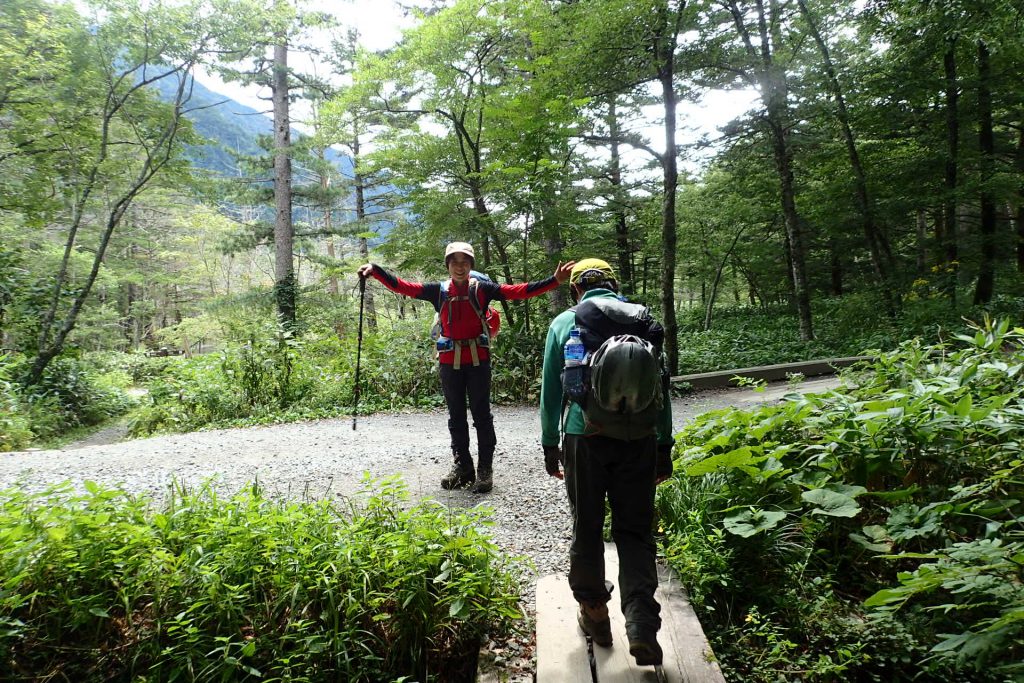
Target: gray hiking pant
624	471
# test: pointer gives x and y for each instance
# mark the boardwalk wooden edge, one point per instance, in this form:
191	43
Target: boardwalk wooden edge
812	368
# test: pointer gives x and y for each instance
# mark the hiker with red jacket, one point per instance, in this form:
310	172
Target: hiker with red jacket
463	351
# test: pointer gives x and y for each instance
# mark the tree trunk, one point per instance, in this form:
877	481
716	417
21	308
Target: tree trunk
835	268
325	184
878	247
949	213
986	139
157	154
1020	236
553	246
665	46
710	307
774	91
284	268
626	283
332	281
364	247
1020	202
922	236
487	221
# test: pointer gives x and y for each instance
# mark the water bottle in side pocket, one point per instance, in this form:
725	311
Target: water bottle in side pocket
573	380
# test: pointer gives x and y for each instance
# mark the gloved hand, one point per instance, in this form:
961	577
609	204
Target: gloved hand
663	466
553	461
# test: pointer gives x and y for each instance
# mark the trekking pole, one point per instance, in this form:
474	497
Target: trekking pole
359	350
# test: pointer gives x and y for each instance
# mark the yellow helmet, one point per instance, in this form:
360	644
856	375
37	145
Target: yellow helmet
591	271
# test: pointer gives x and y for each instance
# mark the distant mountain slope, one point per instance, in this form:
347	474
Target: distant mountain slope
230	127
233	129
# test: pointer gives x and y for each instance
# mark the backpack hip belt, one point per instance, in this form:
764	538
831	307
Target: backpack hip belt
475	343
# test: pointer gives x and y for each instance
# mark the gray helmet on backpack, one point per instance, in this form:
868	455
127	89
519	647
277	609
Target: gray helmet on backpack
622	371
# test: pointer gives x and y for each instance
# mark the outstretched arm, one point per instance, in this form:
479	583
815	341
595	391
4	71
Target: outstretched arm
416	290
529	290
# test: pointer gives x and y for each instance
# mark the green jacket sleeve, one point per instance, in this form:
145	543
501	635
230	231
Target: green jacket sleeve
551	381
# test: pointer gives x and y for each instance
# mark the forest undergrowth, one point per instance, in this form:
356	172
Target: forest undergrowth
872	533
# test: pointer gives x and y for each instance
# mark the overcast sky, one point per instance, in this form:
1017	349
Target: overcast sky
380	24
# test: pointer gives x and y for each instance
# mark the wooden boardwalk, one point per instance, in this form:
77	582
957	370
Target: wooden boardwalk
562	649
770	373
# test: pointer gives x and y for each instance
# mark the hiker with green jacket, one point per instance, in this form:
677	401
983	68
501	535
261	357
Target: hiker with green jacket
464	351
608	455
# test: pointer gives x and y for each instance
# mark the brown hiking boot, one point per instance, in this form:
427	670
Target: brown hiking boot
484	481
593	619
643	645
458	478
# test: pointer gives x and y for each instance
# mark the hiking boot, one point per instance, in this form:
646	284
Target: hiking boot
484	481
458	478
643	646
593	619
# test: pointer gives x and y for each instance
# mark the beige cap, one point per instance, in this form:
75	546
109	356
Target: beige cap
459	248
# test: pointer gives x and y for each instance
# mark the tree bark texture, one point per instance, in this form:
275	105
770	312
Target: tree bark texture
921	243
774	92
985	285
364	247
284	236
949	212
1020	203
626	283
665	56
835	269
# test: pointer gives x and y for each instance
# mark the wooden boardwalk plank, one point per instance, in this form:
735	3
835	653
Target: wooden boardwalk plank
562	649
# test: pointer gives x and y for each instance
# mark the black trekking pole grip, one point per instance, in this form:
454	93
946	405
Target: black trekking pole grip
359	349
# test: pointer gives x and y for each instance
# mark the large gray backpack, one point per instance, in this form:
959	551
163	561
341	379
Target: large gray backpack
625	380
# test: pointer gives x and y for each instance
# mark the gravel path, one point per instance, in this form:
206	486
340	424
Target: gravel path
328	459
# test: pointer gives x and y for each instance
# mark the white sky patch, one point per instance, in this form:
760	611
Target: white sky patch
380	24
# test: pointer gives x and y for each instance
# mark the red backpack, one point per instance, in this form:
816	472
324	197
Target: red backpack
490	320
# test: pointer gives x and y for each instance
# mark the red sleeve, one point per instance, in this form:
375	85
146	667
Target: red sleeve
415	290
526	290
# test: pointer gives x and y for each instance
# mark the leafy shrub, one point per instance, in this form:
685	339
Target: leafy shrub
852	325
868	534
136	366
71	388
271	377
516	365
69	396
99	586
15	431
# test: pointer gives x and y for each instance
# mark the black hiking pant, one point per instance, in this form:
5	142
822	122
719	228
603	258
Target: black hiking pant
624	471
473	382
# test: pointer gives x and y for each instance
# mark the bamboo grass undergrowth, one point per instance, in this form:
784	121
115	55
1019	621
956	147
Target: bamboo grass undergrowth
103	585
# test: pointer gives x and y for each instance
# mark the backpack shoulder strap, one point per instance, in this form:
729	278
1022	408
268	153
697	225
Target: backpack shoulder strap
474	301
442	293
